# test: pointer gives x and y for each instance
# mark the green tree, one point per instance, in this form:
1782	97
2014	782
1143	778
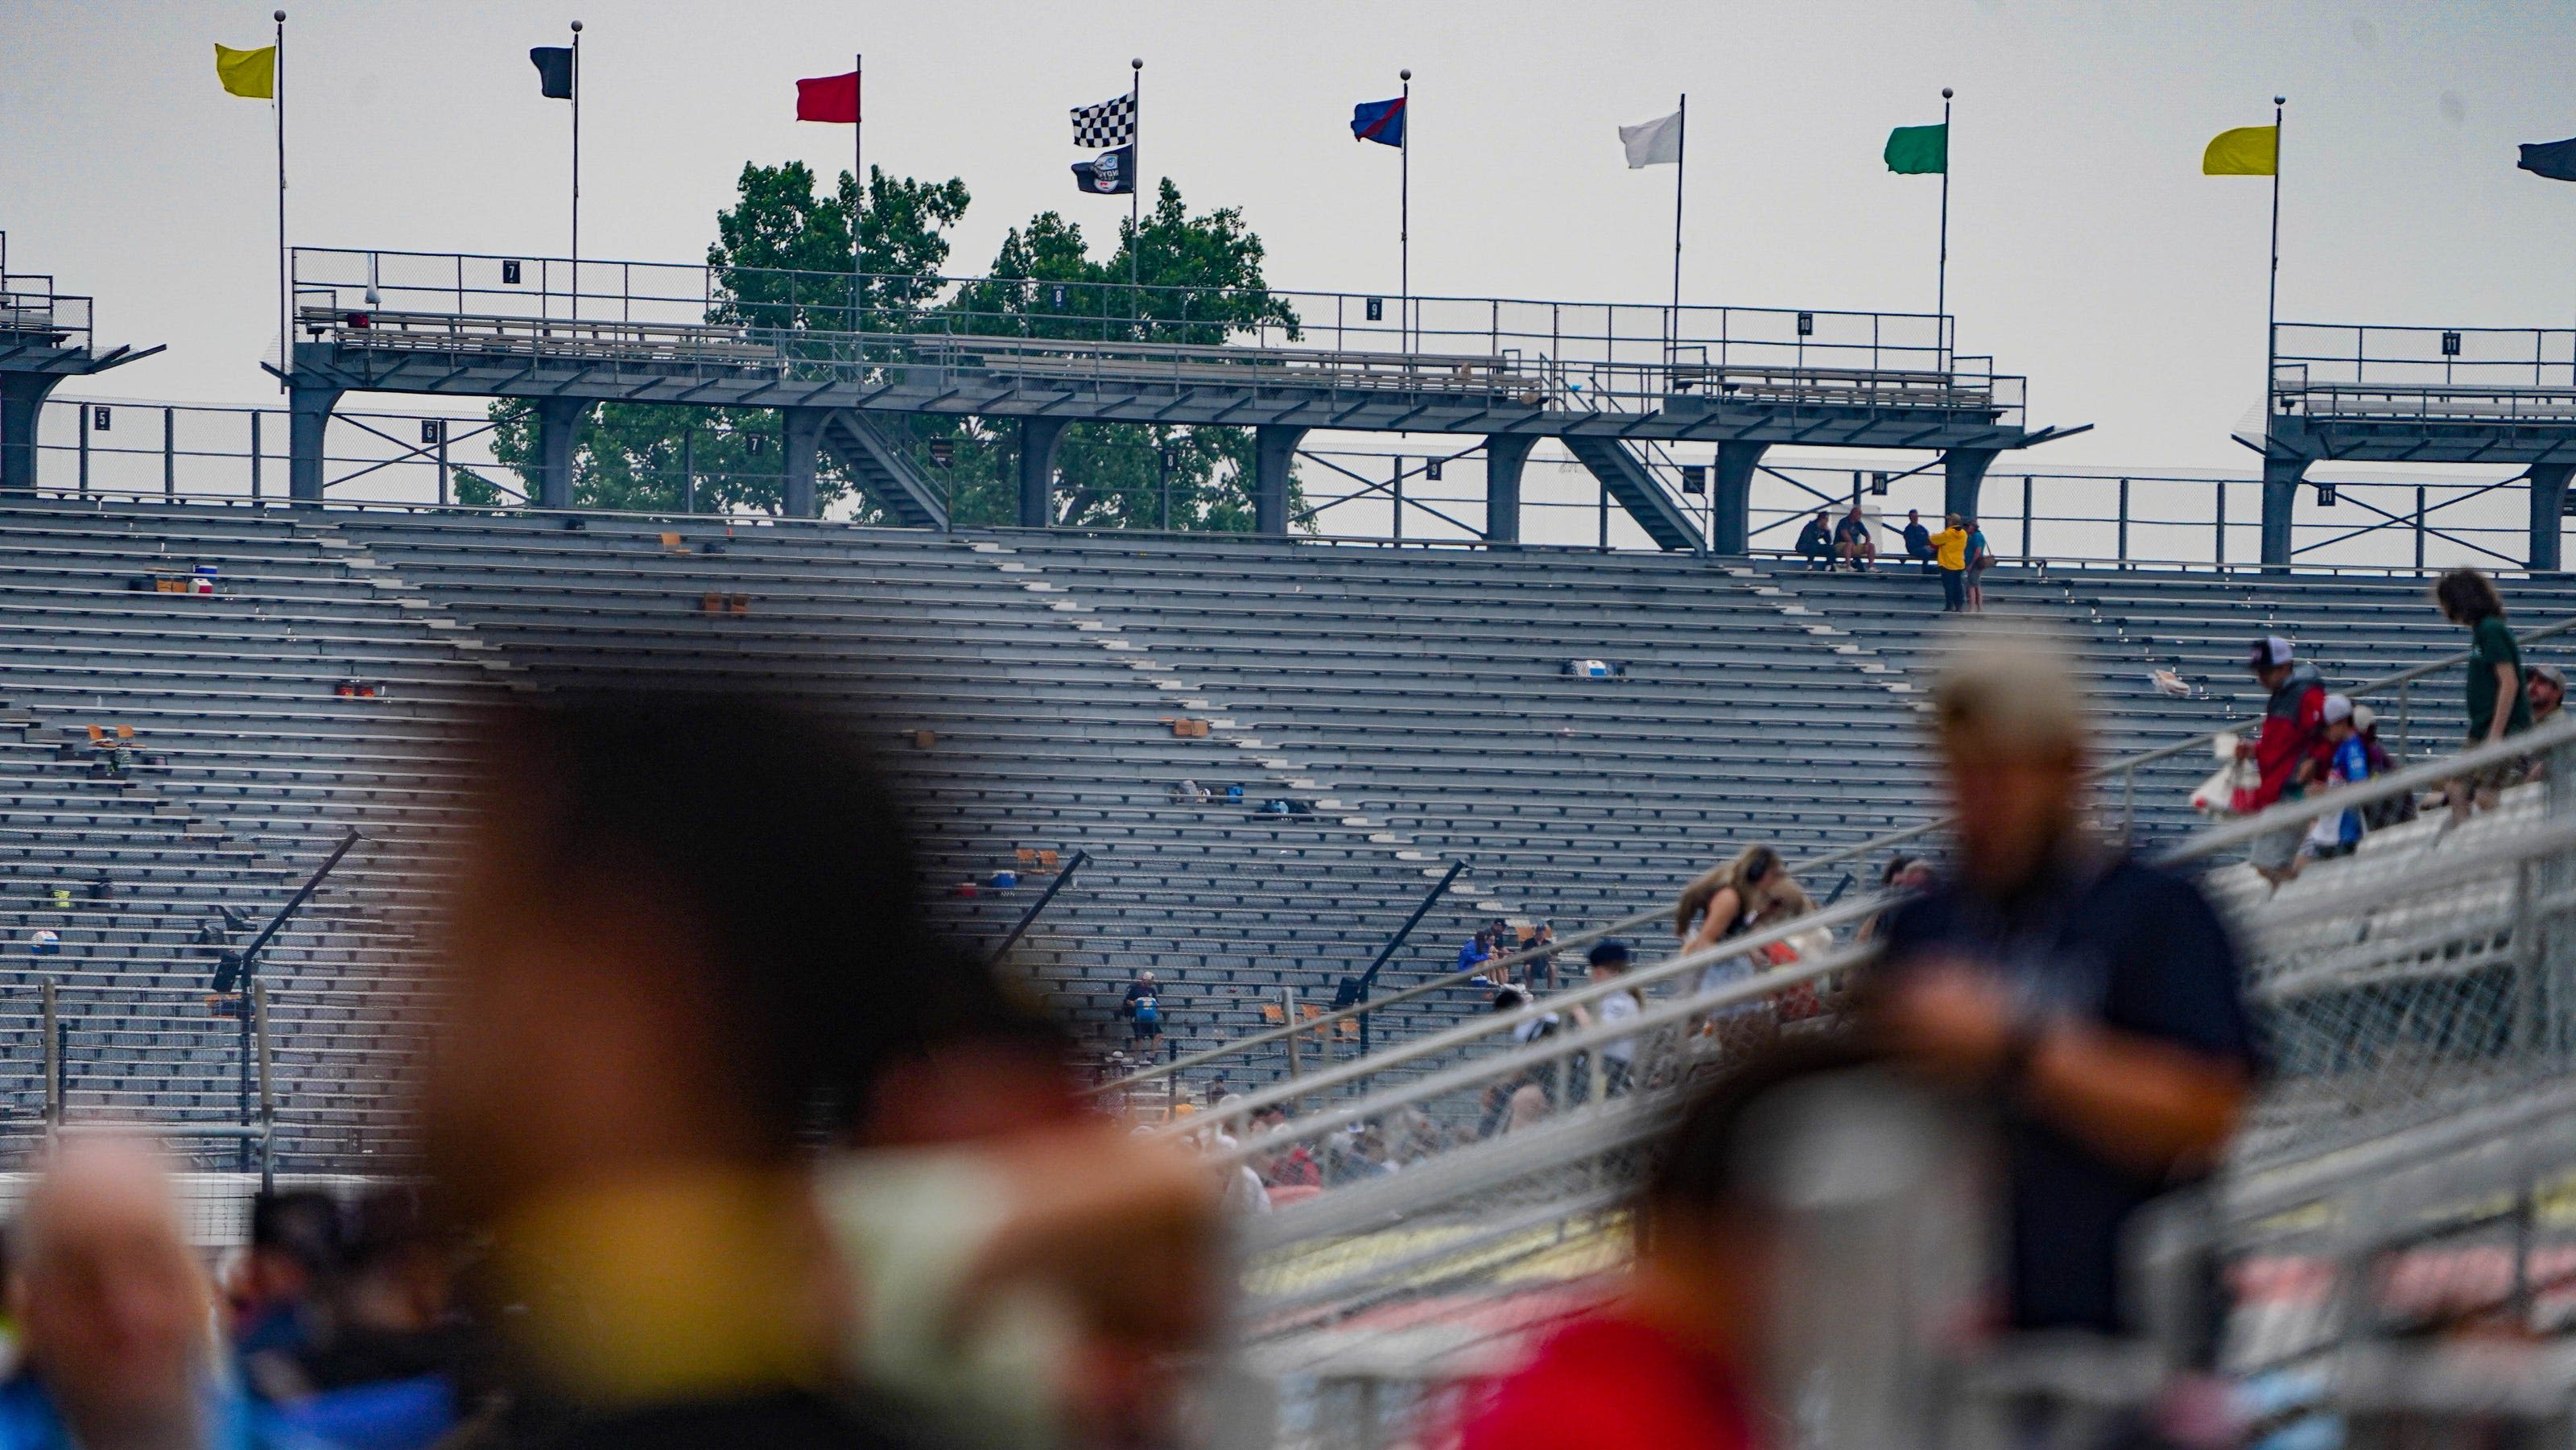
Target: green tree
1199	283
781	260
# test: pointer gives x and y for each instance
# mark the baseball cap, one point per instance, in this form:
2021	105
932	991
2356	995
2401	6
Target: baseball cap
2266	653
2551	673
1608	952
2338	707
2363	718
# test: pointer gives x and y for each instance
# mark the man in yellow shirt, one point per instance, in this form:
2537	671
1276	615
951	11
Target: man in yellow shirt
1950	554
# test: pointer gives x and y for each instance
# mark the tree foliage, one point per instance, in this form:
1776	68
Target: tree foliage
782	263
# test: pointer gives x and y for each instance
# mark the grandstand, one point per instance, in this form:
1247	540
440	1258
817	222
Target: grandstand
1396	709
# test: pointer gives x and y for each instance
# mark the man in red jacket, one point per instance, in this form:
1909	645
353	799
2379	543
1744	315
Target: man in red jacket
2287	753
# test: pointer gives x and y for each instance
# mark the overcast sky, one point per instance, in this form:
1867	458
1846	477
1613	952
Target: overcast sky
2086	249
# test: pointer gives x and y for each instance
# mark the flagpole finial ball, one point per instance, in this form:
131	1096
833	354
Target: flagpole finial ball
576	27
279	16
1945	93
1136	62
1404	75
2280	100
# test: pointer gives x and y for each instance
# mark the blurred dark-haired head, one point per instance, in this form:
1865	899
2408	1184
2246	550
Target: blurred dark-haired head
685	929
2467	596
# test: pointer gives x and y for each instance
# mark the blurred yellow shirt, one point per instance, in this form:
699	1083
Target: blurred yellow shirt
1950	548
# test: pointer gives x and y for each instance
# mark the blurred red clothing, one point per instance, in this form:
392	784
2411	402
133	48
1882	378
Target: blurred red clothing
1606	1382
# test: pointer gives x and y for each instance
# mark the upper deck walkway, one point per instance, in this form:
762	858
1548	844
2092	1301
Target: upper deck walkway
1049	353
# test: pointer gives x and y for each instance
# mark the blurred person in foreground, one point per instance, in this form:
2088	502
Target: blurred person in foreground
115	1317
274	1291
1679	1358
2096	1002
685	942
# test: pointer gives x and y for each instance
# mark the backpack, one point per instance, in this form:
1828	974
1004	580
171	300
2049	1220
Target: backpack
1149	1018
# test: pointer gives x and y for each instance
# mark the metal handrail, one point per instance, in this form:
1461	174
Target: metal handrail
2126	768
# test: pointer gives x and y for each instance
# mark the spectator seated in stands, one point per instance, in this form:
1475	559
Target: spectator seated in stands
2547	687
1816	541
1918	540
1478	950
113	1315
44	942
1852	542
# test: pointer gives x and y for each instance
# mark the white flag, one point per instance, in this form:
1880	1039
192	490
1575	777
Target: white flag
1653	143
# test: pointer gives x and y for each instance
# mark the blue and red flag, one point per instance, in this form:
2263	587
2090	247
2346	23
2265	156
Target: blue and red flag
1379	121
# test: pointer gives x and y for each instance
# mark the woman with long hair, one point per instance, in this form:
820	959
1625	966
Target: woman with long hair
1744	895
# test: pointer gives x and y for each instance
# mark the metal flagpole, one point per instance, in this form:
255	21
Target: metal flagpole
858	180
1404	215
1135	173
285	297
576	168
1941	287
2272	294
1681	148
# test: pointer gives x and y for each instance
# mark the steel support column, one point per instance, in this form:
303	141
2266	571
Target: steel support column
1504	455
1274	448
558	430
802	435
22	401
1039	438
1731	496
2281	475
308	419
2548	513
1963	477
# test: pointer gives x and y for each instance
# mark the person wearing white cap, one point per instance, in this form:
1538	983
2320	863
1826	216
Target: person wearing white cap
2339	834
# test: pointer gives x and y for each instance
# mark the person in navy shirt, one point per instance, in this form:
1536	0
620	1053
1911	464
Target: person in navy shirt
2095	1001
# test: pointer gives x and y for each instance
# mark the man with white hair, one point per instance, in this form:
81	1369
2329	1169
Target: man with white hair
115	1317
2095	1000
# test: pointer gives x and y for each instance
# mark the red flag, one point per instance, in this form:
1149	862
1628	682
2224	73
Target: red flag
829	98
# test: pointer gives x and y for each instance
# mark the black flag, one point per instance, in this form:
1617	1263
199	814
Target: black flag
554	71
1111	173
2553	159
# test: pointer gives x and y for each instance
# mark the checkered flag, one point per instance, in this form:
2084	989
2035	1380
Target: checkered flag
1105	126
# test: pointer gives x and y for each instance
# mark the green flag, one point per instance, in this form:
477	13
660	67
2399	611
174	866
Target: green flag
1919	150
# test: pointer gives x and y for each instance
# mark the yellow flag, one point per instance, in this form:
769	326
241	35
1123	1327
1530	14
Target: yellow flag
2245	151
251	73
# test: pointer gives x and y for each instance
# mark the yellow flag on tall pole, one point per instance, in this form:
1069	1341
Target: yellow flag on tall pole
251	73
2245	151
